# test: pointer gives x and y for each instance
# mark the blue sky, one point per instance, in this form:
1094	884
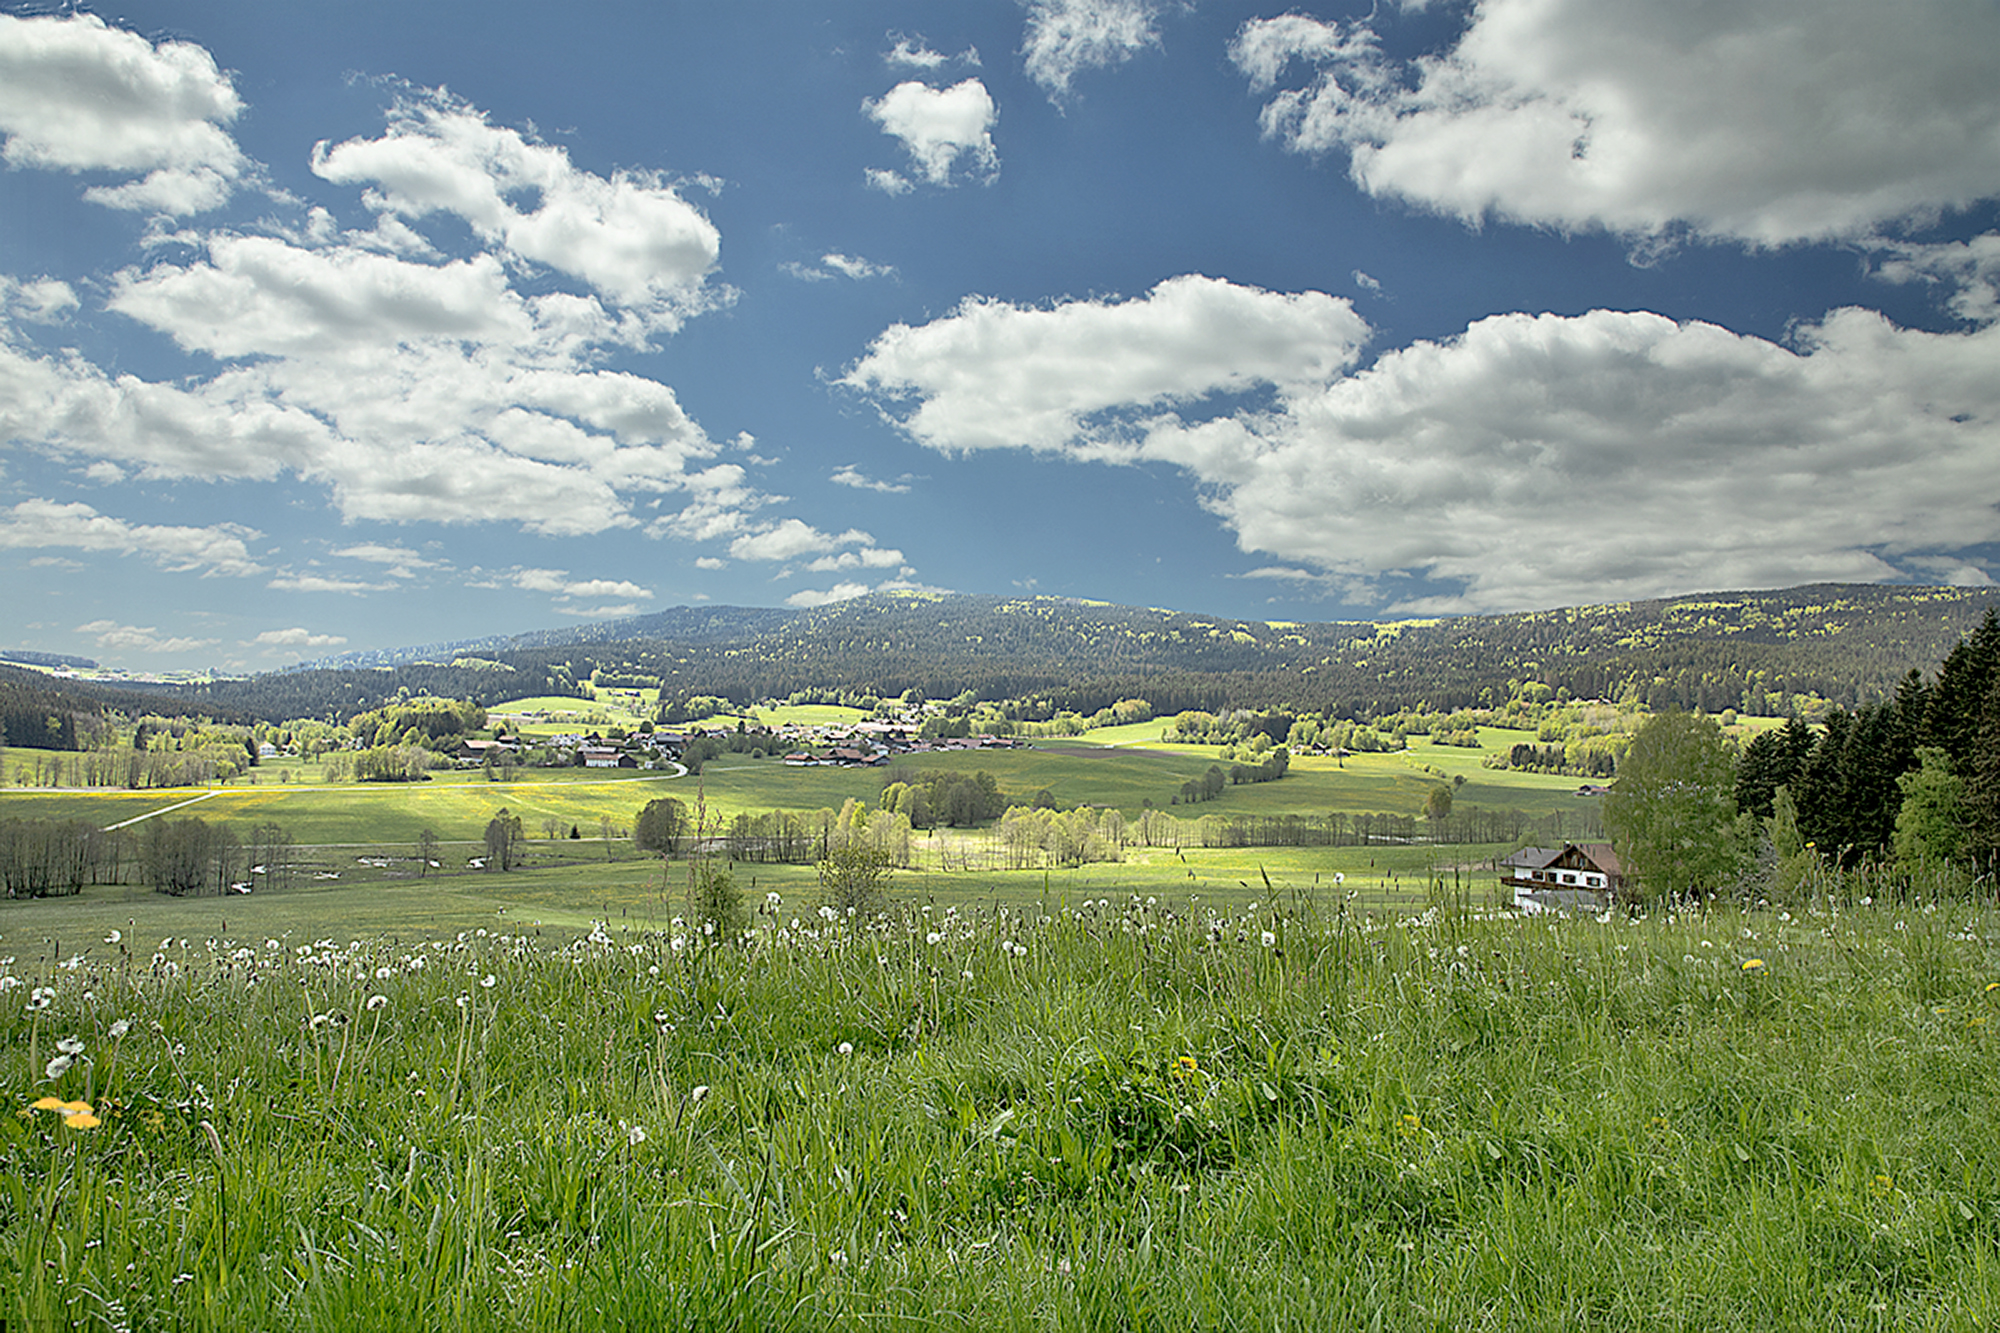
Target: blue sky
327	328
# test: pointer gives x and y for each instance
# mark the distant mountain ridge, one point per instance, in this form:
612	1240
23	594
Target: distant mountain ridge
1834	643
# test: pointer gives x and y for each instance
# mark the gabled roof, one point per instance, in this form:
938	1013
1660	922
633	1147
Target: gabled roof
1598	856
1531	858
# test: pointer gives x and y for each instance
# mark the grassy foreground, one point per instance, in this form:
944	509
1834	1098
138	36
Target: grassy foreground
1111	1117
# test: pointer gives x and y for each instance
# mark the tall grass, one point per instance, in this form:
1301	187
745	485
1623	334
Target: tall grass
1108	1116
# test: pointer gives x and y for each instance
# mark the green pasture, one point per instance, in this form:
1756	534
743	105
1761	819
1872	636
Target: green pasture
367	813
1071	1119
566	885
459	804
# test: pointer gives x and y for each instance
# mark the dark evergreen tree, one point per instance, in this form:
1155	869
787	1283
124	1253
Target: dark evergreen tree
1771	760
1964	681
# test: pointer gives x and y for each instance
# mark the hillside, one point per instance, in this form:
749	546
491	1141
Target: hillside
1761	651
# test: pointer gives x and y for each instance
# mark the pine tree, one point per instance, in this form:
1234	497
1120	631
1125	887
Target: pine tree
1966	678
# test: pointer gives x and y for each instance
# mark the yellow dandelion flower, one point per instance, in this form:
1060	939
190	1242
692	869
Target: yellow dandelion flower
1186	1065
1753	965
1412	1122
76	1115
1992	986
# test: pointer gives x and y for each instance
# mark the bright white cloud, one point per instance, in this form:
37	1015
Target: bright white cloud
940	128
1971	269
414	385
77	95
114	637
911	52
1765	121
401	562
218	550
630	236
1066	37
321	583
416	391
837	265
868	557
791	538
807	598
993	375
559	582
850	475
37	301
1534	460
298	637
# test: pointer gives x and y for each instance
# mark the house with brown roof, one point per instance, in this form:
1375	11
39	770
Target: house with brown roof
1578	877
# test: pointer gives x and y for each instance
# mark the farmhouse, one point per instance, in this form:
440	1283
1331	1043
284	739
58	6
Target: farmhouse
1575	877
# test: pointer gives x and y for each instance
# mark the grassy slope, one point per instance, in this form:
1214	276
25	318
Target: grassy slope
1441	1123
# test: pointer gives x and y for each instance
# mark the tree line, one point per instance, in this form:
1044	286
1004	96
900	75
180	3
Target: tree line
42	858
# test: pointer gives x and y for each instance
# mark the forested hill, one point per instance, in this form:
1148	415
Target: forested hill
1843	644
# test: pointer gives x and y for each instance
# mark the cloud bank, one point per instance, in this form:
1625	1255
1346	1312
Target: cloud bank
1532	461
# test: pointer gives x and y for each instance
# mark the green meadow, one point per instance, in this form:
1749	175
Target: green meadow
1085	1116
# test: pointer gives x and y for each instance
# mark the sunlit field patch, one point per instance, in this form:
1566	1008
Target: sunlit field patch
1116	1112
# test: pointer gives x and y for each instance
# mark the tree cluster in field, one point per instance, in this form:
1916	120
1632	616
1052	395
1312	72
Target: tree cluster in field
665	828
757	741
426	720
1912	782
1036	838
44	858
954	800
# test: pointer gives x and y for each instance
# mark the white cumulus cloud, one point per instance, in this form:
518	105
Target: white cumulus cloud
114	637
995	375
78	95
298	637
219	550
630	236
1764	121
942	129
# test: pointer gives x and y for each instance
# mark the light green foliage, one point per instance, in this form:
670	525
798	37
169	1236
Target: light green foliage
715	903
1934	824
1671	813
661	825
854	879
